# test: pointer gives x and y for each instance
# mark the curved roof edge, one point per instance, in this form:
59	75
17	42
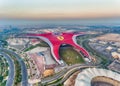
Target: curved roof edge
84	78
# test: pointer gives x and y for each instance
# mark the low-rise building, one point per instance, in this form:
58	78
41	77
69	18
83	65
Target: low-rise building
118	50
115	55
115	66
109	48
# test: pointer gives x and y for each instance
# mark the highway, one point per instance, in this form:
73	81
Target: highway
54	77
23	67
10	80
69	73
64	74
104	60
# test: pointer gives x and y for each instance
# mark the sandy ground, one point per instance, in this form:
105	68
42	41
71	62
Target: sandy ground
109	37
71	80
39	61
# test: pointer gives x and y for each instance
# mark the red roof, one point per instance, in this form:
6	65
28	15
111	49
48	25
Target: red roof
57	39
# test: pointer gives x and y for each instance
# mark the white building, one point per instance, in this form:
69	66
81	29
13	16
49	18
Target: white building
109	48
85	77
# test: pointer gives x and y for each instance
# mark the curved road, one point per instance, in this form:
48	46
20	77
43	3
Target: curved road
69	73
23	67
63	74
10	80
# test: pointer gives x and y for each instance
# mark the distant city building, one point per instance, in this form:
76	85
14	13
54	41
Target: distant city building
117	44
109	48
118	50
115	66
115	55
102	42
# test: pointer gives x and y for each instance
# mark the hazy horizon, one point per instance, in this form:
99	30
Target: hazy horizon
59	9
63	22
21	12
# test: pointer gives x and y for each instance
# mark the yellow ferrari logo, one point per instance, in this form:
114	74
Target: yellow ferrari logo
60	38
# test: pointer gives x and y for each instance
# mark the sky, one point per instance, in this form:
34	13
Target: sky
59	9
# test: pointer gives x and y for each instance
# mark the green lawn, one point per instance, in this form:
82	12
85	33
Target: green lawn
70	56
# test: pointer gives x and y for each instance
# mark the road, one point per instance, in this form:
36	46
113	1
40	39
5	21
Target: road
104	59
10	80
54	77
65	74
23	66
70	72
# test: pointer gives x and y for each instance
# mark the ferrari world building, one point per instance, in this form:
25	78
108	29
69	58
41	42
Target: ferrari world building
55	40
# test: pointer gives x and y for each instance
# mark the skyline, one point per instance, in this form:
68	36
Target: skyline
59	9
